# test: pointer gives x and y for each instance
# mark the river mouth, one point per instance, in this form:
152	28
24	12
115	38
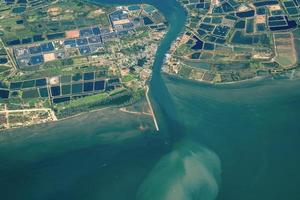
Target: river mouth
227	142
253	130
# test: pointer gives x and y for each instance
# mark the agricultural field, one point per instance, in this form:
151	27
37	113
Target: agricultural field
231	40
284	42
63	58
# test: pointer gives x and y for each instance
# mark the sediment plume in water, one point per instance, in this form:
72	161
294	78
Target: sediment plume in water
190	172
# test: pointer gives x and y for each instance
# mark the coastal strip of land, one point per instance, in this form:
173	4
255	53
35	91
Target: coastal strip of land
100	58
151	109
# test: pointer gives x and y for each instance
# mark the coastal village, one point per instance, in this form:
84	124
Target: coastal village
227	41
62	58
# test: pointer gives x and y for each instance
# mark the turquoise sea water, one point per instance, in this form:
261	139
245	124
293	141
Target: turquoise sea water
237	142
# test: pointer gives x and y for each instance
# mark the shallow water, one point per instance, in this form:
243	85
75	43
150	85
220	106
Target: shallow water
253	128
216	142
87	157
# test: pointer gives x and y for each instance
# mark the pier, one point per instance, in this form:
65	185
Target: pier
151	109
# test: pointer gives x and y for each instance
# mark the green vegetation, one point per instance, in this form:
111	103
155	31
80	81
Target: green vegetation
42	20
115	98
67	57
227	44
185	72
4	68
128	78
133	49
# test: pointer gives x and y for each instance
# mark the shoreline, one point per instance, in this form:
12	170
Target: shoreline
151	109
57	119
51	111
250	80
272	75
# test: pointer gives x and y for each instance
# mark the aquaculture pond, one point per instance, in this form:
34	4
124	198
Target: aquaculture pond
215	142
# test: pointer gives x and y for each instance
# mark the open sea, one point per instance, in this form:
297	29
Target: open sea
229	142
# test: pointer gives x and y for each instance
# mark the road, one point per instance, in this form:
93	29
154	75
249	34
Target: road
151	109
51	112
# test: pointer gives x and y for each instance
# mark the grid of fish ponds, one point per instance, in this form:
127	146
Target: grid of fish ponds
65	88
89	41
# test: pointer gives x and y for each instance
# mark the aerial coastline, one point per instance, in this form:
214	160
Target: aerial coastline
103	56
233	41
66	61
231	139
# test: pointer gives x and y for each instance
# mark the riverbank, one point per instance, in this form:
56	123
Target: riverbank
223	142
106	60
215	49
